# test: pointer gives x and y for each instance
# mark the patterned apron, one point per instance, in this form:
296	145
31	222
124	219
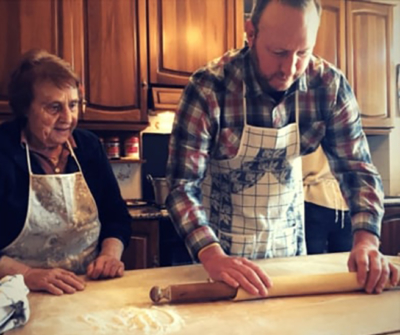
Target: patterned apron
62	225
254	201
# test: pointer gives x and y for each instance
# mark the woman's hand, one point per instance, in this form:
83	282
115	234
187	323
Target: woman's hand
55	281
105	266
235	271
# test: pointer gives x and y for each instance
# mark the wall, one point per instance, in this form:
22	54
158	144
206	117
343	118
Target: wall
385	149
129	175
129	179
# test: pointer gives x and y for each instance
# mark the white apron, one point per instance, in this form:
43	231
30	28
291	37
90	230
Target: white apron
254	201
61	227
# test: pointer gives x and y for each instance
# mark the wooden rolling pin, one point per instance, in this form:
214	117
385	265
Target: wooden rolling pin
282	286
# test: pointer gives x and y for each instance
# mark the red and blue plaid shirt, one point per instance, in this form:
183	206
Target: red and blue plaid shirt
209	123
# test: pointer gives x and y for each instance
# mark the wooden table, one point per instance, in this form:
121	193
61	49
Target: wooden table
351	313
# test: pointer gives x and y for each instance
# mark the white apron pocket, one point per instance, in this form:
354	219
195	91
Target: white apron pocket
238	244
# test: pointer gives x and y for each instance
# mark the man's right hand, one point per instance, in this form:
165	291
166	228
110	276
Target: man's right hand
235	271
55	281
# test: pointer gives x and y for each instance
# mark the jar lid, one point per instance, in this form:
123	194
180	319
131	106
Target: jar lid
113	139
133	139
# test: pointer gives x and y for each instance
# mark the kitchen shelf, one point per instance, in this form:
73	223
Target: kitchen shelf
127	160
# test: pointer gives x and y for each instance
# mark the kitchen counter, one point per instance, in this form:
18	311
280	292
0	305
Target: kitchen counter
343	313
391	201
148	212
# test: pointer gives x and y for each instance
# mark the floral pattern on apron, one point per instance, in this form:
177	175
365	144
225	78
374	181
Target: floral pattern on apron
255	201
62	227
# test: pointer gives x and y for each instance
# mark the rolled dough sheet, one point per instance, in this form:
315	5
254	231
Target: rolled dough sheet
293	285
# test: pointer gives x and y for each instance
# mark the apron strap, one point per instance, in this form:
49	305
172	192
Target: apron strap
244	104
69	148
28	158
297	118
74	156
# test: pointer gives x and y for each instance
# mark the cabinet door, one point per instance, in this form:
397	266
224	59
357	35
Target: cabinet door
331	43
25	24
390	231
114	60
185	34
143	249
369	41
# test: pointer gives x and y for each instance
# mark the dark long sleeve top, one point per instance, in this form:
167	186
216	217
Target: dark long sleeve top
14	184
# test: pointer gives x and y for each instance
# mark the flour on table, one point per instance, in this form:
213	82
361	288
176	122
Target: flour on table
153	320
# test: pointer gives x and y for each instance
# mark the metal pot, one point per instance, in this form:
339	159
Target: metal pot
161	189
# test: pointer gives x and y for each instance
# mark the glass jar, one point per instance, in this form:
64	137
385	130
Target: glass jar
131	147
112	147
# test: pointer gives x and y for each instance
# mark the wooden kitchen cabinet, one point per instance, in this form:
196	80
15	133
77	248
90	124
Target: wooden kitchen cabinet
105	42
390	231
27	24
331	40
114	60
186	34
369	48
143	249
356	36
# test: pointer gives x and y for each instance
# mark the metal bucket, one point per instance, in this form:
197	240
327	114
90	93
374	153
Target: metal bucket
161	189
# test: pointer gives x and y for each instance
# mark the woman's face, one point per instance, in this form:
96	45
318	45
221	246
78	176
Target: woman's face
53	114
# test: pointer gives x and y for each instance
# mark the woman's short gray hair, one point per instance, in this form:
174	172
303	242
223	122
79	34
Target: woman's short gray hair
35	66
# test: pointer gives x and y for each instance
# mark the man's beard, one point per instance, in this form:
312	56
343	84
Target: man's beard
263	80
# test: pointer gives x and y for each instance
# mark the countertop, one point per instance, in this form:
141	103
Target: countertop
391	201
147	213
329	314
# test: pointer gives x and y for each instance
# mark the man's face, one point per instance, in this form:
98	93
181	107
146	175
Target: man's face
283	45
53	114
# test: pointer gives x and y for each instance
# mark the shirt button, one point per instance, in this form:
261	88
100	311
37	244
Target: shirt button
57	170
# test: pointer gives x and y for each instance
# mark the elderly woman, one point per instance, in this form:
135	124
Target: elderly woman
61	211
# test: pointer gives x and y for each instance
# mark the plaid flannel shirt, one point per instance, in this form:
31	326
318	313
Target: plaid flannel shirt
209	123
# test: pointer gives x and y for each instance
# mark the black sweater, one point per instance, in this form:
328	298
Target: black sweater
14	184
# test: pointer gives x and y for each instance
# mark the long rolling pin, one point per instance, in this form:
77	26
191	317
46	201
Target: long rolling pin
292	285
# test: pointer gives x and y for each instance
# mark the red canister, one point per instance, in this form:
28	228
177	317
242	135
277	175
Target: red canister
112	147
132	147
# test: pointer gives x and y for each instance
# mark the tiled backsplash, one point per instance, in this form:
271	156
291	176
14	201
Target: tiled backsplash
129	175
129	179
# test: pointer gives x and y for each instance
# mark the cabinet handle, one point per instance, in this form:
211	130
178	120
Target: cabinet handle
84	103
144	84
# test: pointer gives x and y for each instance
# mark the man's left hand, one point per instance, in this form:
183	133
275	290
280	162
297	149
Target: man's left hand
373	269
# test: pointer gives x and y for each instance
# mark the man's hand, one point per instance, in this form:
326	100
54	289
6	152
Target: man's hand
373	270
55	281
235	271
